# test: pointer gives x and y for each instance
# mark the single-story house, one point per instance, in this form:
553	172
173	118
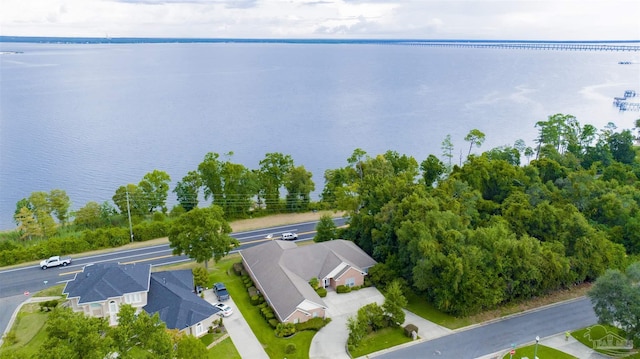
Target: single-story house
282	270
100	289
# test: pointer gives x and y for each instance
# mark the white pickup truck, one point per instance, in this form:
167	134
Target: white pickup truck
55	261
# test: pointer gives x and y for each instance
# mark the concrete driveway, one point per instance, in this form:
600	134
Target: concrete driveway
330	342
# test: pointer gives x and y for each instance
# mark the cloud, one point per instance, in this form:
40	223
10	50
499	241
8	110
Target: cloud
419	19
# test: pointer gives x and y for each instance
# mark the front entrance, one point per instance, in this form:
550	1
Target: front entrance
113	312
326	282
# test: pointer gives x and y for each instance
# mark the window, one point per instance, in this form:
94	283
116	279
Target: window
350	282
296	321
132	298
198	329
315	314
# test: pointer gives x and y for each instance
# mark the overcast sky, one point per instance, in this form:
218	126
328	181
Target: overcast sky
363	19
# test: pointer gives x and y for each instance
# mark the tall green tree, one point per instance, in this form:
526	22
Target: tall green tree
202	234
155	189
447	151
59	202
189	347
273	170
325	229
187	190
394	301
616	300
432	168
130	199
27	224
476	138
299	186
72	335
88	216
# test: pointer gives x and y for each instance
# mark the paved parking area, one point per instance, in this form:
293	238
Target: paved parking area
330	342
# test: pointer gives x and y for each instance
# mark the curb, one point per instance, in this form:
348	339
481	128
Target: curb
15	313
515	315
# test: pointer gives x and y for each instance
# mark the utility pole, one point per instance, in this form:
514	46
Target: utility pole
129	213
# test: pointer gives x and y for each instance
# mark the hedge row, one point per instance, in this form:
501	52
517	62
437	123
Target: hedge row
13	253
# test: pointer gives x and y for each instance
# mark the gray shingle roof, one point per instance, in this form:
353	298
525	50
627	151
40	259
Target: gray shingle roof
171	296
99	282
283	269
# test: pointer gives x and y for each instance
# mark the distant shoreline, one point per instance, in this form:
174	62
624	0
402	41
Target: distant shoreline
133	40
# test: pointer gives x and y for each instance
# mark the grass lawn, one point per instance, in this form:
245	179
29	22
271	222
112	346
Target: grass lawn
543	352
595	332
422	308
382	339
54	291
29	329
225	349
274	346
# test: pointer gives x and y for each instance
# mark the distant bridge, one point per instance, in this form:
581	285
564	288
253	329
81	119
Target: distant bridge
525	45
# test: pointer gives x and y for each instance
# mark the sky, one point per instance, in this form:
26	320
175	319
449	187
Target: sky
326	19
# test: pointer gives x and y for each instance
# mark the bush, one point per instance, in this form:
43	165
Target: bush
285	330
273	323
252	291
409	328
48	305
343	289
314	282
322	292
11	338
313	324
238	268
255	300
290	348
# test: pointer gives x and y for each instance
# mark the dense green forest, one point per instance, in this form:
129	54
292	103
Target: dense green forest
467	236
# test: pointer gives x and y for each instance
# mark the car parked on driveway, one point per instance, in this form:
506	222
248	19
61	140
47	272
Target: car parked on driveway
225	310
220	291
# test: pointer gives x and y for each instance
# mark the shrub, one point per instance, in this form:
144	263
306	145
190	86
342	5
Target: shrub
238	268
410	328
290	348
10	337
273	323
270	315
252	291
285	330
248	285
314	282
48	305
343	289
255	300
322	292
312	324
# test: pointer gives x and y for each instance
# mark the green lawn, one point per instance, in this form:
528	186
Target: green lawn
274	346
225	349
422	308
543	353
382	339
594	332
54	291
29	329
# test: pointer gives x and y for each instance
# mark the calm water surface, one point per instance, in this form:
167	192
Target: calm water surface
88	118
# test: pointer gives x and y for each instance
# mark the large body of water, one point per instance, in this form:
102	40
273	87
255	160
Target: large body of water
88	118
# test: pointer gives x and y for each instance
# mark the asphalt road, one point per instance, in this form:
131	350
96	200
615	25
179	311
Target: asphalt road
15	282
498	336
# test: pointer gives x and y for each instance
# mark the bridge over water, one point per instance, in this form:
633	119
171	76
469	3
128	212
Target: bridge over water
566	46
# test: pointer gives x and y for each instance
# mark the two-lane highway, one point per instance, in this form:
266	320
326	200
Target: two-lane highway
32	278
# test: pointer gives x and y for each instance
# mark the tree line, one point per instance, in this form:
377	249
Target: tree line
472	236
466	236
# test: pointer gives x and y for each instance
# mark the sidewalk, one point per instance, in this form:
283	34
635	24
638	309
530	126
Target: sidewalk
241	334
558	342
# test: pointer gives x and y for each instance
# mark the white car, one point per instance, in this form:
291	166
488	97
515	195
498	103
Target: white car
288	236
225	310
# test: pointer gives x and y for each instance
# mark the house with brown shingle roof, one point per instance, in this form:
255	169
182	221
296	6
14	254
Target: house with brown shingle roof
282	270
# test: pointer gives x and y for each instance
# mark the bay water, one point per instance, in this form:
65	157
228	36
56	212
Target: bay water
88	118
